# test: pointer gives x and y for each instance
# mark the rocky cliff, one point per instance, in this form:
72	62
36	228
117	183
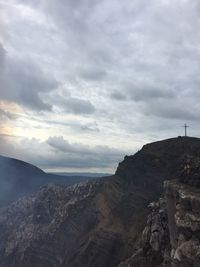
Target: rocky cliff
171	236
100	223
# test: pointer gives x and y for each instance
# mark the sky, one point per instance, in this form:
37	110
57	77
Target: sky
85	82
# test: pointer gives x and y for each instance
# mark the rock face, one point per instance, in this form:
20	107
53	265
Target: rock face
171	236
155	240
100	223
80	225
183	209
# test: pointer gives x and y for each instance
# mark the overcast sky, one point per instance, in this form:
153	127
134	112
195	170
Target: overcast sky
85	82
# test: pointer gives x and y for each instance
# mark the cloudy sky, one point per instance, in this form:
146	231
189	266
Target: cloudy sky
85	82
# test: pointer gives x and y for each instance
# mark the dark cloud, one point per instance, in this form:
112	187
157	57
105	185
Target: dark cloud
62	145
23	82
172	110
33	100
98	156
146	94
78	106
73	105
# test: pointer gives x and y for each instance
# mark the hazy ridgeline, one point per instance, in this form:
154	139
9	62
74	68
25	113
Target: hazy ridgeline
18	178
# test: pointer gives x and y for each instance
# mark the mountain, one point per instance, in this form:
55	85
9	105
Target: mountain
83	174
102	223
171	236
18	178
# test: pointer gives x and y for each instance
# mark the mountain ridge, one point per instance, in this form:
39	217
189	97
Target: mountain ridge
95	223
19	178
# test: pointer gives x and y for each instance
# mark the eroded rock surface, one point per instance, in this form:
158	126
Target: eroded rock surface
78	225
183	207
172	234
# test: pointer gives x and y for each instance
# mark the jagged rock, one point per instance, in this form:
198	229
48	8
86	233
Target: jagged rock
155	238
190	171
172	234
184	223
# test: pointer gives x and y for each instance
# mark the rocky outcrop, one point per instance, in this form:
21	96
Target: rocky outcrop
99	223
172	234
80	225
190	171
183	208
155	242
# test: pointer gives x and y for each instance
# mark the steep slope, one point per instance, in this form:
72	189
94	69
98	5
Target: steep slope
96	223
18	178
171	237
158	161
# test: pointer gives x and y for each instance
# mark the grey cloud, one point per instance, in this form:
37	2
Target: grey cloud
116	95
60	144
171	110
98	156
75	124
57	152
84	32
79	106
23	82
148	93
33	100
73	105
2	57
90	127
77	11
92	74
7	115
141	92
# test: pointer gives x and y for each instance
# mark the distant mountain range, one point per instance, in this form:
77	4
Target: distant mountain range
85	174
19	178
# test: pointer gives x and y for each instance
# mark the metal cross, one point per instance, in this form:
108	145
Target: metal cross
186	126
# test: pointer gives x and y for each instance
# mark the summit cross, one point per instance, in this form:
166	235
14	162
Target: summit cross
186	126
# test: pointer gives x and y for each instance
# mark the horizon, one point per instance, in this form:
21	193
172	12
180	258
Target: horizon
94	172
83	83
